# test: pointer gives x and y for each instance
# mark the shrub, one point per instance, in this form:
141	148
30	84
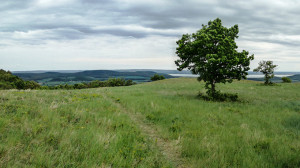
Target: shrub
31	85
20	84
112	82
79	86
4	85
218	96
156	77
286	80
129	82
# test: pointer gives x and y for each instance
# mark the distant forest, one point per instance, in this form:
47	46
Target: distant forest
57	78
10	81
74	79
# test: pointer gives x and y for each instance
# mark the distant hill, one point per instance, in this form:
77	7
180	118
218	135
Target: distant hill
54	78
118	70
157	71
44	71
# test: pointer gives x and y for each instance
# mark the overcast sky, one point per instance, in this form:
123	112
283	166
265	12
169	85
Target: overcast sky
138	34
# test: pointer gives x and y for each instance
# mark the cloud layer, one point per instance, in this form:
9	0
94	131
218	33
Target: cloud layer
33	30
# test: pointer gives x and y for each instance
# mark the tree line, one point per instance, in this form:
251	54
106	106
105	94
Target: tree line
10	81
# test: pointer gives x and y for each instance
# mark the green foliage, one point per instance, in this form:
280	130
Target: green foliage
31	85
212	53
10	81
267	68
112	82
156	77
286	80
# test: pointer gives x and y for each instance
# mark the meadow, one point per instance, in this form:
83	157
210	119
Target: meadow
155	124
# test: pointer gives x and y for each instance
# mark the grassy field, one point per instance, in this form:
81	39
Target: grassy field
157	124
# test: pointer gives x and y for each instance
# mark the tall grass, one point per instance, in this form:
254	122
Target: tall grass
262	129
70	129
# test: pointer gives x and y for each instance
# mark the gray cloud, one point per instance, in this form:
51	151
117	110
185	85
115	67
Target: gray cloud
36	22
255	17
7	5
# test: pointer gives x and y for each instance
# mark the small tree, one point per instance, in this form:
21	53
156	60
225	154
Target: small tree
212	53
267	68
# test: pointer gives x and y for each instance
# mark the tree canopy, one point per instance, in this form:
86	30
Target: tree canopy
212	53
10	81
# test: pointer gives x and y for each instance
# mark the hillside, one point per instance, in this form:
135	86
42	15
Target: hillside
10	81
155	124
55	78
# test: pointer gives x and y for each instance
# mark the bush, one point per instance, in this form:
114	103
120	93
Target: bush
20	84
4	85
112	82
31	85
156	77
218	96
286	80
79	86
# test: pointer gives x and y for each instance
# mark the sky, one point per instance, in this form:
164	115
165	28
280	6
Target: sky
138	34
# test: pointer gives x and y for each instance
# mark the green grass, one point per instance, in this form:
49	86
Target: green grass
85	128
70	129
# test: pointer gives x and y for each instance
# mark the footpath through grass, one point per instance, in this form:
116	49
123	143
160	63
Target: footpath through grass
134	126
77	128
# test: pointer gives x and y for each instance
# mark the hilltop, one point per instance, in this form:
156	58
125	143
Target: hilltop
155	124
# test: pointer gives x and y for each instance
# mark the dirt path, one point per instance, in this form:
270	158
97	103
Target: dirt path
170	149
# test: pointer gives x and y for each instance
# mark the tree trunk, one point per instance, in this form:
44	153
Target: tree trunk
213	88
267	79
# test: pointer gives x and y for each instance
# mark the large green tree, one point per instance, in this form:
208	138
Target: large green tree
212	53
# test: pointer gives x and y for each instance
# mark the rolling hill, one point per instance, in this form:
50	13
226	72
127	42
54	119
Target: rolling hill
54	78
